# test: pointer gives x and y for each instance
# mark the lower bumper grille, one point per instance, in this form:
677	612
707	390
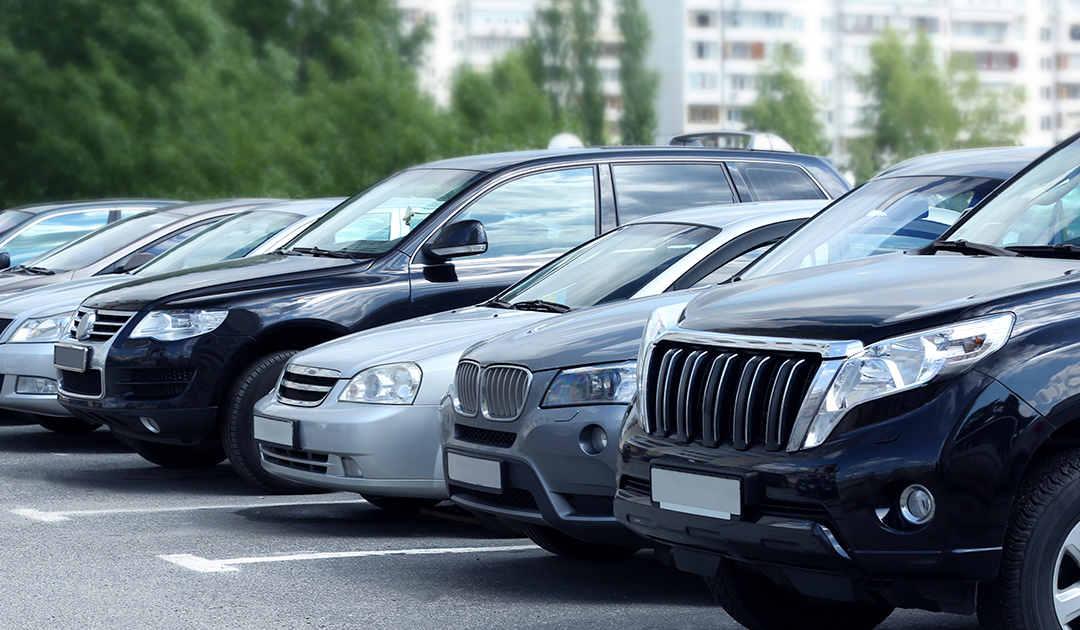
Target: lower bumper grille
511	497
488	437
297	460
86	383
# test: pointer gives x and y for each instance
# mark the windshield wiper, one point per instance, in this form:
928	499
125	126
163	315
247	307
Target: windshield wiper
41	271
541	305
965	247
499	304
317	251
1060	250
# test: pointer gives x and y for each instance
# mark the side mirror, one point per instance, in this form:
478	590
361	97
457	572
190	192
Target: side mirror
461	238
132	262
5	260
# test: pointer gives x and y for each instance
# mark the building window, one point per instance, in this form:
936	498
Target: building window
878	23
610	74
755	19
981	30
614	102
709	114
1068	91
999	60
734	114
1044	34
703	19
1046	93
702	80
743	82
704	50
1046	63
1046	123
744	50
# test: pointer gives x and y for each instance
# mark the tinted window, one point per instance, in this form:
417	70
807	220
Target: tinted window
612	267
166	244
644	189
103	242
735	265
51	232
545	213
777	182
232	238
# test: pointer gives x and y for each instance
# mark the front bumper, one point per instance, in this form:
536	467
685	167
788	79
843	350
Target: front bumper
386	450
33	360
550	476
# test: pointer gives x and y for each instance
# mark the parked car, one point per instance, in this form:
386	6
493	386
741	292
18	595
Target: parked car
431	238
34	319
28	231
121	246
898	431
551	469
360	413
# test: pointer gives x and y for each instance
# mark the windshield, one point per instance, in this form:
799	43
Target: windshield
233	238
890	214
373	222
611	267
1042	208
102	242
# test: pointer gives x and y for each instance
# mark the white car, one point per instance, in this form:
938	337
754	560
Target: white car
360	413
34	319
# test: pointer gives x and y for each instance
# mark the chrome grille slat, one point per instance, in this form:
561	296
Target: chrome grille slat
714	396
467	388
105	326
302	386
502	391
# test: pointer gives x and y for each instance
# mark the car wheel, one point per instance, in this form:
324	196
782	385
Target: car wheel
1038	585
65	425
400	504
177	455
238	425
758	603
561	544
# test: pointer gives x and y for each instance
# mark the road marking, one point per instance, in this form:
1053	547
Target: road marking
203	565
56	517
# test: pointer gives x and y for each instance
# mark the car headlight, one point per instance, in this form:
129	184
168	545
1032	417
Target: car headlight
175	325
593	385
42	329
392	384
899	364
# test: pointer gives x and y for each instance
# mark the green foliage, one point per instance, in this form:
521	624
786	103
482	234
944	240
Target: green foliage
639	83
787	106
916	107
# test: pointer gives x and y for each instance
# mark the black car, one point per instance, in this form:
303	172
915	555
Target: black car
176	363
898	431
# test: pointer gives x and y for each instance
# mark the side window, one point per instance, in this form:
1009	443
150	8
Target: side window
170	242
644	189
546	213
52	232
776	182
735	265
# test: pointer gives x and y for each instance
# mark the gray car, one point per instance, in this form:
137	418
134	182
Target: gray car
548	464
361	413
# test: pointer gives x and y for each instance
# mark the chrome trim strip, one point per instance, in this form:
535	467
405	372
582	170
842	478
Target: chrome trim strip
312	371
827	349
304	387
812	402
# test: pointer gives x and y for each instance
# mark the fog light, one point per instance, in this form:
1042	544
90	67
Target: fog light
593	439
35	385
150	424
917	505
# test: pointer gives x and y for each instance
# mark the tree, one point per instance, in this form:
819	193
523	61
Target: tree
786	105
916	107
639	84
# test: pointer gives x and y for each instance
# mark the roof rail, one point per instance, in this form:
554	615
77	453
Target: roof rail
749	140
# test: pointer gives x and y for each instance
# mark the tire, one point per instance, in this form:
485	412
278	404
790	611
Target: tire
400	504
177	455
238	425
1041	556
68	425
567	546
758	603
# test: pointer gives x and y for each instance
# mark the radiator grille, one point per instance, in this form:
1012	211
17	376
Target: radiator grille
467	387
102	325
716	396
499	391
306	386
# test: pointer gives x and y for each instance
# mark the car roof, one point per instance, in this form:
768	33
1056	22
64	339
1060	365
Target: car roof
41	208
195	208
996	162
721	216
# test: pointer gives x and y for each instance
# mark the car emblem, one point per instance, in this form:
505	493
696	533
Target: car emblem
86	325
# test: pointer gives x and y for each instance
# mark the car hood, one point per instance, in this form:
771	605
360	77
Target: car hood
592	336
873	298
51	300
254	272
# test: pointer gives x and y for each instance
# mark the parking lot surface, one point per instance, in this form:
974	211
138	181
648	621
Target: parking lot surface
93	536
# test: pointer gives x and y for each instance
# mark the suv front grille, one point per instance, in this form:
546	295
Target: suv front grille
499	391
104	326
304	386
716	396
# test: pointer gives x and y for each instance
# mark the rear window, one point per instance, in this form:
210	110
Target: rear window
644	189
776	182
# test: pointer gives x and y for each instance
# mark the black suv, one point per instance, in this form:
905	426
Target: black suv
898	431
174	364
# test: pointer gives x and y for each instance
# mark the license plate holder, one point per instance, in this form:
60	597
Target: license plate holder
703	495
73	358
474	471
282	432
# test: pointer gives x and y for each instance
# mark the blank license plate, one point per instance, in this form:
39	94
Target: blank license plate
76	358
716	497
276	431
486	473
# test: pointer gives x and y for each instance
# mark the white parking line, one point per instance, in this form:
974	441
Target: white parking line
203	565
56	517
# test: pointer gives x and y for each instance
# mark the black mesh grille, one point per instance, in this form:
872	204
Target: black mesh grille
489	437
162	375
160	391
715	396
591	504
156	383
86	383
637	486
511	497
